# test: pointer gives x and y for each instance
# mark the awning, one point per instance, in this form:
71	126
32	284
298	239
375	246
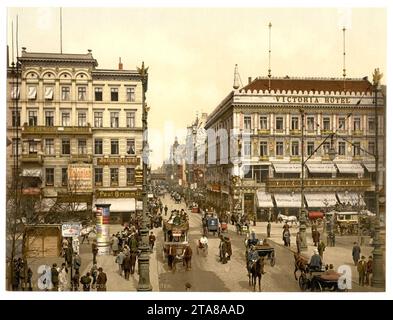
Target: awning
371	167
321	167
354	199
350	167
264	199
287	167
118	205
320	200
284	200
32	173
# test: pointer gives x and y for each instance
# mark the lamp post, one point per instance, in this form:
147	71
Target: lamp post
143	260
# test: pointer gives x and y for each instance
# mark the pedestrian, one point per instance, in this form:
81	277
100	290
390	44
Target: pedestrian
356	253
15	276
171	256
63	278
85	281
68	256
75	281
362	268
166	210
298	241
29	277
369	270
115	244
119	260
75	244
315	236
127	266
64	246
101	280
321	248
77	262
152	239
94	274
94	250
55	277
269	228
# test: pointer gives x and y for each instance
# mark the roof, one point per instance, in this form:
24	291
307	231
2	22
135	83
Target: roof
70	57
310	84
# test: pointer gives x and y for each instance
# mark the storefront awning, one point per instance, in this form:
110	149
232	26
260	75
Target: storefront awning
288	200
354	199
118	205
370	166
321	167
287	167
264	199
355	168
320	200
36	173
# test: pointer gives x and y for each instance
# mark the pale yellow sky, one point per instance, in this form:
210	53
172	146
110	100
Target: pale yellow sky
191	53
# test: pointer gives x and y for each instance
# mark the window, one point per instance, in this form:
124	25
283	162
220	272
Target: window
295	123
326	147
263	148
49	147
15	146
114	119
130	146
247	122
98	176
98	146
356	149
49	176
82	146
32	117
356	123
279	148
48	93
131	94
15	93
295	148
130	119
49	118
310	123
371	124
65	146
82	119
279	123
114	94
326	123
114	176
341	148
371	147
310	148
98	119
65	93
247	148
64	177
15	118
33	147
98	94
82	93
130	176
65	119
263	123
32	93
341	123
114	146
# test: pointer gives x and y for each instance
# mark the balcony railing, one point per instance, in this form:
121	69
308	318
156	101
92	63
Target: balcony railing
81	158
295	132
31	158
49	130
357	132
333	183
264	131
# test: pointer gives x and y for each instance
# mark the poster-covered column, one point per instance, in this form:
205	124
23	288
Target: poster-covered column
102	225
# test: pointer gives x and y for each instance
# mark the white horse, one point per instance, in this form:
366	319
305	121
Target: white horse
284	218
85	232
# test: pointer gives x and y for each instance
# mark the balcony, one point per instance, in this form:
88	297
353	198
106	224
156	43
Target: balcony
31	158
86	158
295	158
264	132
357	132
277	184
263	158
295	132
49	130
326	132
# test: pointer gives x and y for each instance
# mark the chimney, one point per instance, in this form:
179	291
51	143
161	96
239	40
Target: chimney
120	64
249	80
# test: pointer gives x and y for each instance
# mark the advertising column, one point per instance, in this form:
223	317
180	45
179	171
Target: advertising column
102	225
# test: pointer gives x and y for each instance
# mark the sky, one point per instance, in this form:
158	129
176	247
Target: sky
191	52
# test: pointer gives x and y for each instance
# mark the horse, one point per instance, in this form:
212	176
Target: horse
301	264
225	250
85	233
254	271
187	255
284	218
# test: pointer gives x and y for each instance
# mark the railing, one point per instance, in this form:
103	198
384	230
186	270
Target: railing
32	157
295	132
334	183
263	131
81	157
49	130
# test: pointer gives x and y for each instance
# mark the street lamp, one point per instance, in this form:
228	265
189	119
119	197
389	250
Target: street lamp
332	154
143	260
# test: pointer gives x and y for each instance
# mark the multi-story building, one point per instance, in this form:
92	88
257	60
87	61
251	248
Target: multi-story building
266	118
80	130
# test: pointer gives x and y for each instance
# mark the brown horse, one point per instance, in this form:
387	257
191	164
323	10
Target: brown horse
187	257
256	270
301	264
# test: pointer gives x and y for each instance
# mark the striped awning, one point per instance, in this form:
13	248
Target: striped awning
287	167
264	199
320	200
350	168
284	200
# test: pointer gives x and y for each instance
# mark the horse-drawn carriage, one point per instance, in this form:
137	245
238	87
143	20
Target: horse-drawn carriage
263	250
211	224
321	281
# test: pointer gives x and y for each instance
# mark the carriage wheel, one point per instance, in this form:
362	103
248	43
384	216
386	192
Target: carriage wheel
303	282
316	286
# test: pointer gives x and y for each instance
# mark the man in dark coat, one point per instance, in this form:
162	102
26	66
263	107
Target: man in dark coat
127	266
86	281
269	228
369	270
356	253
101	280
362	268
166	209
94	250
55	277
